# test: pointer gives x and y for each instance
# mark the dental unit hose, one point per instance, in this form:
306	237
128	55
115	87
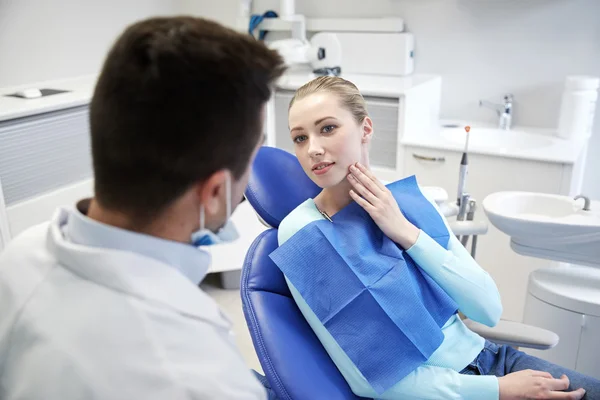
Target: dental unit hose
462	178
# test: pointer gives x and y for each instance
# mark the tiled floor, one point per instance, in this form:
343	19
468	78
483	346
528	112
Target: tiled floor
231	304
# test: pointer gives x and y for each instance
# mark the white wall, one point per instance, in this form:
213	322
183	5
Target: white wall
482	48
485	48
53	39
224	11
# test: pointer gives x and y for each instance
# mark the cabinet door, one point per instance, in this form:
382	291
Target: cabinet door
4	231
45	152
283	139
433	168
487	175
566	324
383	151
588	359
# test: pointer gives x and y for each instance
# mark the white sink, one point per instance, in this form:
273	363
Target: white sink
497	138
547	226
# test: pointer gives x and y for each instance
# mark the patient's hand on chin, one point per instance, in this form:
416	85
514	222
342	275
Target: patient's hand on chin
381	205
530	384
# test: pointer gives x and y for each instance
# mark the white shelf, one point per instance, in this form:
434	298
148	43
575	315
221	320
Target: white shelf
332	24
355	24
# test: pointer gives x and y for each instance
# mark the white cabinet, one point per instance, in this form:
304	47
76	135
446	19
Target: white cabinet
489	174
41	153
281	100
45	162
566	324
578	346
588	358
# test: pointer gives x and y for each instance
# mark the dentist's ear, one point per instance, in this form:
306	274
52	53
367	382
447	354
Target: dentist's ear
367	130
211	191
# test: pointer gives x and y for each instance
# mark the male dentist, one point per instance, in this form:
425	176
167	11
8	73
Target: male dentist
103	301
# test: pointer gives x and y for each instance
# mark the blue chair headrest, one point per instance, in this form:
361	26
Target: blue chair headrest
277	185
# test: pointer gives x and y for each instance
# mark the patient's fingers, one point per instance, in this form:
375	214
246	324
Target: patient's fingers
371	176
365	180
362	190
361	202
543	374
574	395
559	384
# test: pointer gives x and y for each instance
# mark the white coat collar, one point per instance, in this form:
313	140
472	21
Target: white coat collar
133	273
192	262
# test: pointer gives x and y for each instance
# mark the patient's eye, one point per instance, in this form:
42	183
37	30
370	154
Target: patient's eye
328	128
299	139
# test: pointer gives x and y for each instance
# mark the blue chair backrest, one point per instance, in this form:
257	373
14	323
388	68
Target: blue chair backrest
293	360
277	185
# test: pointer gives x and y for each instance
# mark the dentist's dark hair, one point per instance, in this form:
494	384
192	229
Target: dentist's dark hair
178	99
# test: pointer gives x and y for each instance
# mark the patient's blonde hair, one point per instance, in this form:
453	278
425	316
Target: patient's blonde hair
346	91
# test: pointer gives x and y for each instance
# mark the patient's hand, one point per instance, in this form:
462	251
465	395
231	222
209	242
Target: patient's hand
530	384
379	202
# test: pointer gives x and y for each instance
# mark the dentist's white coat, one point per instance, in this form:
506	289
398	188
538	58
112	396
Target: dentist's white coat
86	323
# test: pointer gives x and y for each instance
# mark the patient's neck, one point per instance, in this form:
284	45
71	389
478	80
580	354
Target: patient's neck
333	199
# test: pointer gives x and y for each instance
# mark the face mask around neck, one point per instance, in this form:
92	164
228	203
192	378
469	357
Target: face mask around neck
228	233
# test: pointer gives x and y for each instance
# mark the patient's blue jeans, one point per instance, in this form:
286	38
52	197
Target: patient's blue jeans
502	360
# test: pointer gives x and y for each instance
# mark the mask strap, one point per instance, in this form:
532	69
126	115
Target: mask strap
201	216
228	194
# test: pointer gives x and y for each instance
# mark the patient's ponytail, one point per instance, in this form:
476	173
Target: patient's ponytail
348	93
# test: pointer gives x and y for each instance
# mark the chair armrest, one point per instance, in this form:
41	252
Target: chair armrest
515	334
468	228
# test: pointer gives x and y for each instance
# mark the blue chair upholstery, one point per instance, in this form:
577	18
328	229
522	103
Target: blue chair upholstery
277	185
293	360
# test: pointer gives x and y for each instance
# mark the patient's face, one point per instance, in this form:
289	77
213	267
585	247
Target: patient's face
327	138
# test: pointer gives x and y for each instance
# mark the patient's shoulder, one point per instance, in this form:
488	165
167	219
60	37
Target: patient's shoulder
301	216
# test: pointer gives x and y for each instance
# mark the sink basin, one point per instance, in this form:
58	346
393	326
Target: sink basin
547	226
496	138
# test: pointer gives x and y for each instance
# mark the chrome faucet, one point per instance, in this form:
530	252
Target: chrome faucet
504	110
586	201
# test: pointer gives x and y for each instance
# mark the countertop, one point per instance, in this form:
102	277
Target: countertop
512	145
80	92
518	142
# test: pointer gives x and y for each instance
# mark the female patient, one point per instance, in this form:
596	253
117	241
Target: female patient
331	130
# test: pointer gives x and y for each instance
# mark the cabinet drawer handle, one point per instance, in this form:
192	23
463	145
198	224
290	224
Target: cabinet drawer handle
424	158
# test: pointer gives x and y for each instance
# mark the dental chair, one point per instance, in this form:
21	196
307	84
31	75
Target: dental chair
293	360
